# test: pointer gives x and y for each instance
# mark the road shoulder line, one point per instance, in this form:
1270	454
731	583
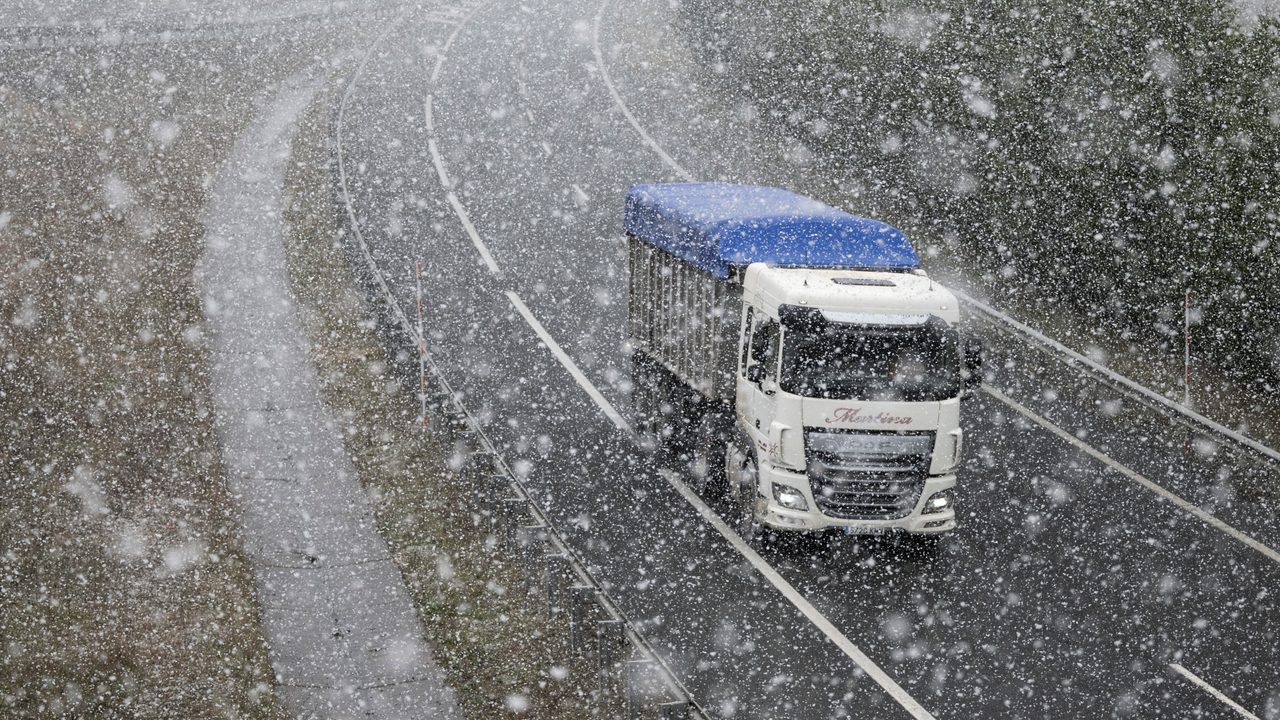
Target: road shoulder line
811	613
554	347
622	106
1215	692
1187	507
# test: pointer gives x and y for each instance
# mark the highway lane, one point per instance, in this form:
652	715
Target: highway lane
720	624
1068	591
1218	477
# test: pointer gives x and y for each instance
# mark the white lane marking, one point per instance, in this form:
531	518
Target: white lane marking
1164	494
605	406
458	208
810	613
448	43
438	160
439	163
1152	396
866	664
435	72
617	99
1213	691
461	212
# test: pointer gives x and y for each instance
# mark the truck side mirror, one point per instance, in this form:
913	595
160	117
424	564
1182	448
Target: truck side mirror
755	373
971	365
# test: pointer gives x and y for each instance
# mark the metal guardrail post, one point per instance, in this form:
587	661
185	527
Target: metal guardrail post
580	598
460	441
442	399
485	461
465	436
457	419
480	463
513	510
464	445
611	641
559	577
496	485
531	543
487	492
638	686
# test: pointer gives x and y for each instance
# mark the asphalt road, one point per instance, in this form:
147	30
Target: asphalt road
486	141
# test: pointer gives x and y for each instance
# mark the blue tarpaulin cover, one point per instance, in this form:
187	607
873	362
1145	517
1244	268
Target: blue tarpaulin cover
715	226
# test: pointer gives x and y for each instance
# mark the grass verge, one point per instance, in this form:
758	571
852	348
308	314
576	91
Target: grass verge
500	652
122	589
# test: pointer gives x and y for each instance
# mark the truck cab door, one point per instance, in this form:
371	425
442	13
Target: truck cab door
760	373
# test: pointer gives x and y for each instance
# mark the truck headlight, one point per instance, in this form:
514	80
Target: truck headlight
789	497
939	502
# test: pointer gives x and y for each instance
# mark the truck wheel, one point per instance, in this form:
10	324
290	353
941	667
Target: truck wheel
706	455
743	488
645	402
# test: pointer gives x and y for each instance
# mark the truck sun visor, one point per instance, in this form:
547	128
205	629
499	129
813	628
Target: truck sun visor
717	226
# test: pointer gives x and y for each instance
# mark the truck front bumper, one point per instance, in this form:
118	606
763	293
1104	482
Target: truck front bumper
770	513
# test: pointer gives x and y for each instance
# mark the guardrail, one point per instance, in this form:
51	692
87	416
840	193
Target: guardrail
633	680
1188	417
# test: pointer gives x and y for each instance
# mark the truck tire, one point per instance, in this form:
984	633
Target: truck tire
661	409
645	400
706	457
744	482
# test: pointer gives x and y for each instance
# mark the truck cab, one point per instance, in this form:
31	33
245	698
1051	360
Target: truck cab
848	393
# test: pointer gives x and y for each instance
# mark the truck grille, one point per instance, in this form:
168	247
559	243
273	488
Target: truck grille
867	476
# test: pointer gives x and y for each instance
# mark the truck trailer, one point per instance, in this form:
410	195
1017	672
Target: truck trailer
797	358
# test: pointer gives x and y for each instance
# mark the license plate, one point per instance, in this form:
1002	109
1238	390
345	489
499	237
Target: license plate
865	530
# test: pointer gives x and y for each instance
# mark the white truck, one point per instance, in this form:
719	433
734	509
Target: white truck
797	358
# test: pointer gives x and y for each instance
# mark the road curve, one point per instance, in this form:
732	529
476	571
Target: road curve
495	142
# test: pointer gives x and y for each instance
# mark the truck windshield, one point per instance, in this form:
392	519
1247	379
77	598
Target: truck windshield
917	362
